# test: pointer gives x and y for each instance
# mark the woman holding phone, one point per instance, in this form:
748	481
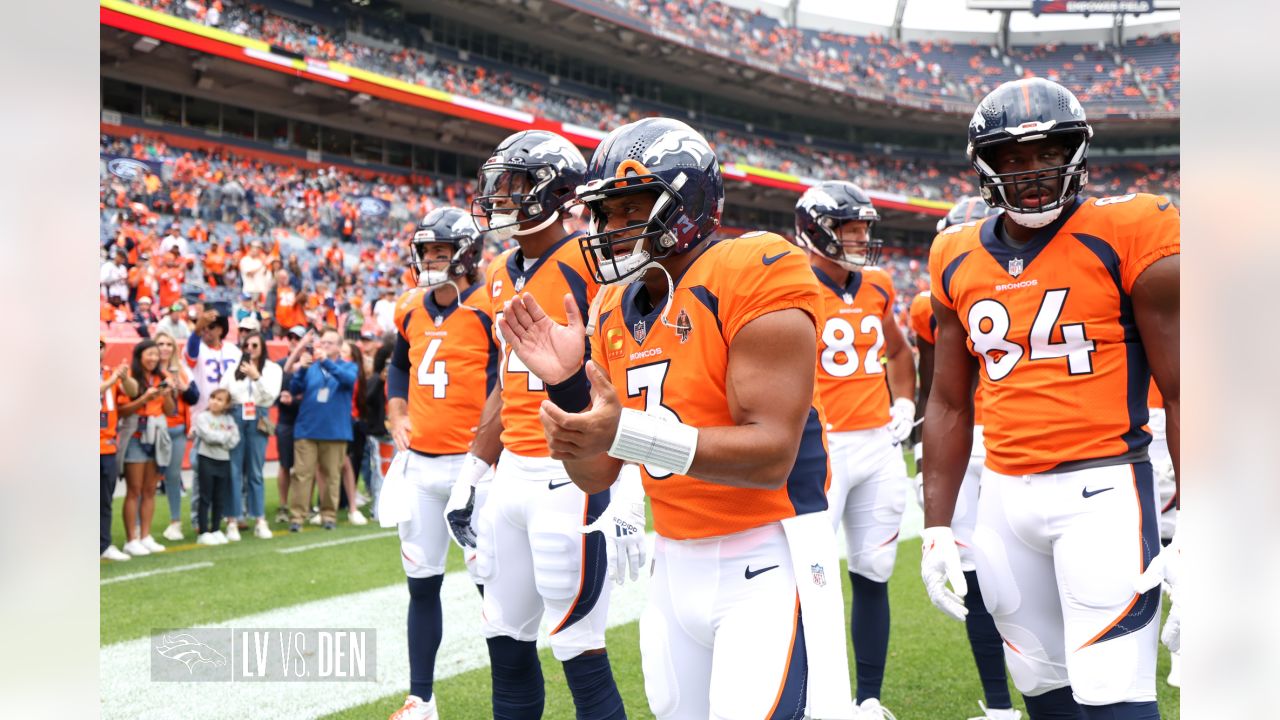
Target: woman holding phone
254	387
141	473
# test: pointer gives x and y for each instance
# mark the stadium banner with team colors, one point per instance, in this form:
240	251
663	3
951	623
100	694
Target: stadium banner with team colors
1086	7
177	31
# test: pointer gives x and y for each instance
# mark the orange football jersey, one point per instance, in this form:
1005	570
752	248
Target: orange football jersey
109	414
560	271
1062	365
680	372
1154	398
925	326
851	377
453	365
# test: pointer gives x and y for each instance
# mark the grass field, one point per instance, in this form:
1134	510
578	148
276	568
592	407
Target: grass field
930	673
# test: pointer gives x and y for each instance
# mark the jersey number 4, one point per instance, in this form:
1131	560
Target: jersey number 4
840	357
989	331
433	373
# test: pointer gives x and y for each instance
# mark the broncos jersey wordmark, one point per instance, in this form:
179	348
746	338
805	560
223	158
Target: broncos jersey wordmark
1063	369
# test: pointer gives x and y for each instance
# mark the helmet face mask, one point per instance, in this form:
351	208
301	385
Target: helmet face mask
828	213
965	210
1037	112
526	183
670	165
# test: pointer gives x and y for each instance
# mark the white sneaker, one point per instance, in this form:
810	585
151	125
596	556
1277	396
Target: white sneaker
1175	669
217	535
151	544
207	539
871	709
997	714
233	531
355	517
314	519
136	548
416	709
174	532
262	531
113	553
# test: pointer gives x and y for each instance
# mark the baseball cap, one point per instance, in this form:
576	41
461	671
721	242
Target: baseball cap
144	299
298	331
177	307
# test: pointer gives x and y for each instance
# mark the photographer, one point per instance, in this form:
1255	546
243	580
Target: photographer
323	428
148	446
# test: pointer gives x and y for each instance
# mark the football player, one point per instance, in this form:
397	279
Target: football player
1065	306
984	639
702	373
442	368
865	429
531	554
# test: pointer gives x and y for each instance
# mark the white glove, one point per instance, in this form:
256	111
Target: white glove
460	509
902	417
918	451
622	524
1165	568
939	564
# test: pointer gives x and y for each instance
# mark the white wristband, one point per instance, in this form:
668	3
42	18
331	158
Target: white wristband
473	470
649	440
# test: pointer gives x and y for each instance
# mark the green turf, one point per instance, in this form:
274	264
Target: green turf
930	672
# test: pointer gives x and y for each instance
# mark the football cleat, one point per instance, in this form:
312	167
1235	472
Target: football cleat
871	709
415	708
997	713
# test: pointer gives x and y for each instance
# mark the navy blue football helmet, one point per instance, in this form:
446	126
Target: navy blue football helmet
966	209
1023	111
663	157
445	225
530	177
821	211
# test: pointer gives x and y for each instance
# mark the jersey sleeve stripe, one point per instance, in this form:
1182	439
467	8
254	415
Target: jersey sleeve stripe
806	485
950	271
883	293
490	364
578	287
1106	254
710	301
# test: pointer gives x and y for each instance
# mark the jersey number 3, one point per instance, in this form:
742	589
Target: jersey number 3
989	331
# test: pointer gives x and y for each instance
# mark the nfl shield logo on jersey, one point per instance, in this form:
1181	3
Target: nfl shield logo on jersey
848	299
1015	266
639	331
520	283
819	575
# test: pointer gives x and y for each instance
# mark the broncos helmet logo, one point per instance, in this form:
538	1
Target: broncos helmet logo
189	651
464	226
678	142
561	150
979	121
815	196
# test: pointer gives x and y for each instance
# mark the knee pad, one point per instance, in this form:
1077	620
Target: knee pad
1032	671
414	557
484	564
661	686
557	563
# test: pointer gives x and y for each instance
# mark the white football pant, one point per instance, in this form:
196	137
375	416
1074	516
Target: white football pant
867	495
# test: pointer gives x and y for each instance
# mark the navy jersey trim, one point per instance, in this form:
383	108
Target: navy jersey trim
594	564
710	302
949	272
1138	381
806	483
1146	607
1002	253
793	696
851	286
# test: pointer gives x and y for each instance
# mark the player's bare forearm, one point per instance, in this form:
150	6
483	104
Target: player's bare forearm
948	419
593	474
902	366
488	441
1156	303
926	384
769	384
397	409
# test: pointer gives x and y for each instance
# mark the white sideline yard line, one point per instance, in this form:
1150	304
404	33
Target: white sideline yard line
125	669
331	543
149	573
127	691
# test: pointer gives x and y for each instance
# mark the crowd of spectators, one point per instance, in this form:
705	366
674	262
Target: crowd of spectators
706	19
